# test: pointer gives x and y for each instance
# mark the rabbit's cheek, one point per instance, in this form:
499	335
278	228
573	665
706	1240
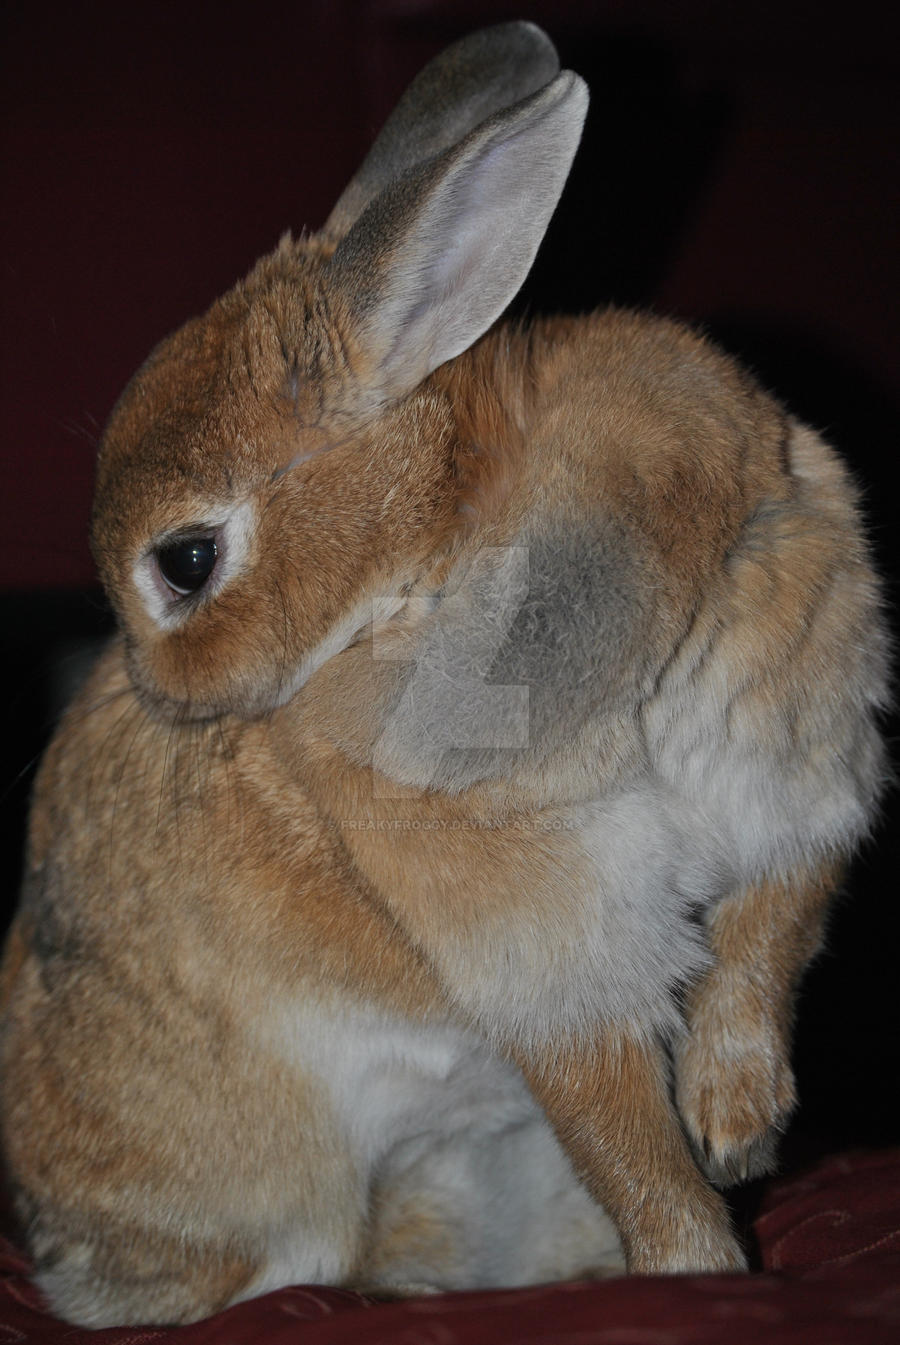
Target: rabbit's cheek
218	664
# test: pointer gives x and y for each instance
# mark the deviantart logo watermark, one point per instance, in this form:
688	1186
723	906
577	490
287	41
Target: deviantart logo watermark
454	708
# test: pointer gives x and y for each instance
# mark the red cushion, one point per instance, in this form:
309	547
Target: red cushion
830	1244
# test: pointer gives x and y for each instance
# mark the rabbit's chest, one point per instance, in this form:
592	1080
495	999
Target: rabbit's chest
544	924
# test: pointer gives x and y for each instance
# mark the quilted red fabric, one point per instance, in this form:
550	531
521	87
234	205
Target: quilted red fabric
830	1245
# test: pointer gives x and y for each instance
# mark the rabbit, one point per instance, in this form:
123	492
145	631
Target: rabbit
418	889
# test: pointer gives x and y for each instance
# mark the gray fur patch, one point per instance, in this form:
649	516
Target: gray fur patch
526	644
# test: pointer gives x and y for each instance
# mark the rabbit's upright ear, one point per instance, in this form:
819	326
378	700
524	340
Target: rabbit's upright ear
468	82
435	258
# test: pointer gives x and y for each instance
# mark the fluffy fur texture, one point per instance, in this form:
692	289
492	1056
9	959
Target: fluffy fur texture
420	903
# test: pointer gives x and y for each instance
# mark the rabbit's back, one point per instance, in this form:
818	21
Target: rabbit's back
682	554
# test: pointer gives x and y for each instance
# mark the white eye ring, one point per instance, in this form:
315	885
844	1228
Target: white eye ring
196	558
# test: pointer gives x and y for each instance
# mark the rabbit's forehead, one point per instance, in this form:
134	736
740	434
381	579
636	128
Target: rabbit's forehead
222	405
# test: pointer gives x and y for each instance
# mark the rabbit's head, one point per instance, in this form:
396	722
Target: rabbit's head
279	470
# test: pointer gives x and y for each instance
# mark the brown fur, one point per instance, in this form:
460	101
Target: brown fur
609	1100
227	841
735	1087
129	1002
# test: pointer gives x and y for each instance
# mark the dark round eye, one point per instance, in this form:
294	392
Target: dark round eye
186	565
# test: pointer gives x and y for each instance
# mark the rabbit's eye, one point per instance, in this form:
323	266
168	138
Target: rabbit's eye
186	565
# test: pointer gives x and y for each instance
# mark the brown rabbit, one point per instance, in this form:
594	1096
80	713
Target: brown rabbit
418	890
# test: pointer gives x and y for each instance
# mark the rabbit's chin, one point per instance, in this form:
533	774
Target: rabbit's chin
170	693
170	709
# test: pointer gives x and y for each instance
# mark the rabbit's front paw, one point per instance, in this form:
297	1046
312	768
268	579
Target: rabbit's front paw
733	1084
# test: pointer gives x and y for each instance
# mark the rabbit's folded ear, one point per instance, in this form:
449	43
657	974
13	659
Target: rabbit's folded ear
437	256
462	87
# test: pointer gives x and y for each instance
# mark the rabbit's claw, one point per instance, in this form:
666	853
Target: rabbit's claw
734	1088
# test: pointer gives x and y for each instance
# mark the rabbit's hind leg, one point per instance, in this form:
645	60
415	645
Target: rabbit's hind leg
126	1275
487	1205
734	1083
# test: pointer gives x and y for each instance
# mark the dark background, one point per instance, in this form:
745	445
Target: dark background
739	169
